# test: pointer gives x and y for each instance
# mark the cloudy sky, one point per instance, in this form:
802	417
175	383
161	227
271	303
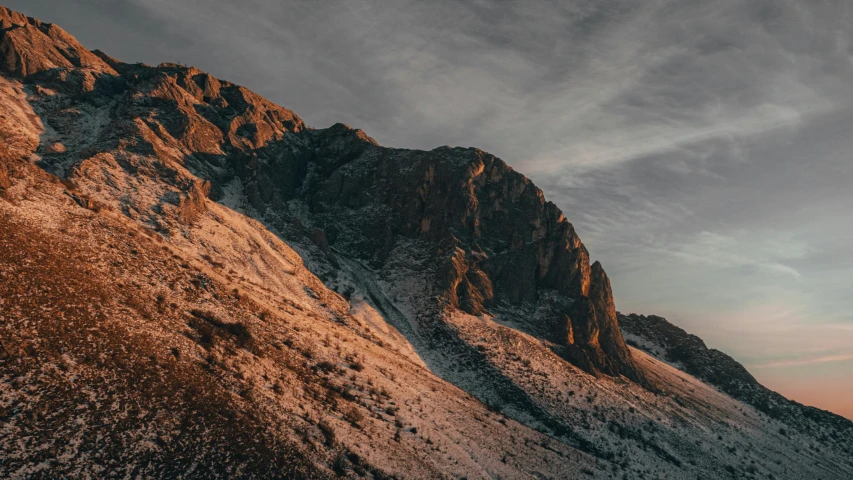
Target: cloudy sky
703	150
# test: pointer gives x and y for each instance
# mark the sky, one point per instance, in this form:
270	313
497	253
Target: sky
703	150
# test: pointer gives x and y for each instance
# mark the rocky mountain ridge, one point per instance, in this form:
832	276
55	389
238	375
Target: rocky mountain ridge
658	337
499	241
196	273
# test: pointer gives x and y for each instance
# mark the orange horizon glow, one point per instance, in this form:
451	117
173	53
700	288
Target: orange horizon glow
832	390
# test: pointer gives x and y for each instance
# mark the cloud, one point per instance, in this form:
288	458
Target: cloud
546	86
804	361
727	252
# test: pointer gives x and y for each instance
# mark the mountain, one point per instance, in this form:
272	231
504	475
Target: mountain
688	353
196	283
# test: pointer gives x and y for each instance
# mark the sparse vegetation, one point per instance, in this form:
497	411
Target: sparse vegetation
209	326
354	416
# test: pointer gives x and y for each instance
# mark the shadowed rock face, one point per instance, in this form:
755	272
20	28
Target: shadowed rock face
496	240
496	243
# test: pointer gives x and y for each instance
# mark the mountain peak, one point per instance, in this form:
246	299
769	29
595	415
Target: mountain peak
29	46
10	18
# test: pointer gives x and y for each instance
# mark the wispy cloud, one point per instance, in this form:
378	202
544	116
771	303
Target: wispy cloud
804	361
719	251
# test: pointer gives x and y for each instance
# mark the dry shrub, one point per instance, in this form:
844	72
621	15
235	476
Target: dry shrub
354	416
208	325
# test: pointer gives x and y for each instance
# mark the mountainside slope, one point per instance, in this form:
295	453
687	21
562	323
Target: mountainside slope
213	353
193	281
669	343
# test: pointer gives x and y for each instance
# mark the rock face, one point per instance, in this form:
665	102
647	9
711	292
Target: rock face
494	239
28	46
673	344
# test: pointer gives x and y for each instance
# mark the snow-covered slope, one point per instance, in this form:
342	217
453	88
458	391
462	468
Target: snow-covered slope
194	283
688	353
212	352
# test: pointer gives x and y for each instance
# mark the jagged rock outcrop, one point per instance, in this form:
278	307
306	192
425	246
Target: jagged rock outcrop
29	46
494	238
193	206
595	331
500	242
